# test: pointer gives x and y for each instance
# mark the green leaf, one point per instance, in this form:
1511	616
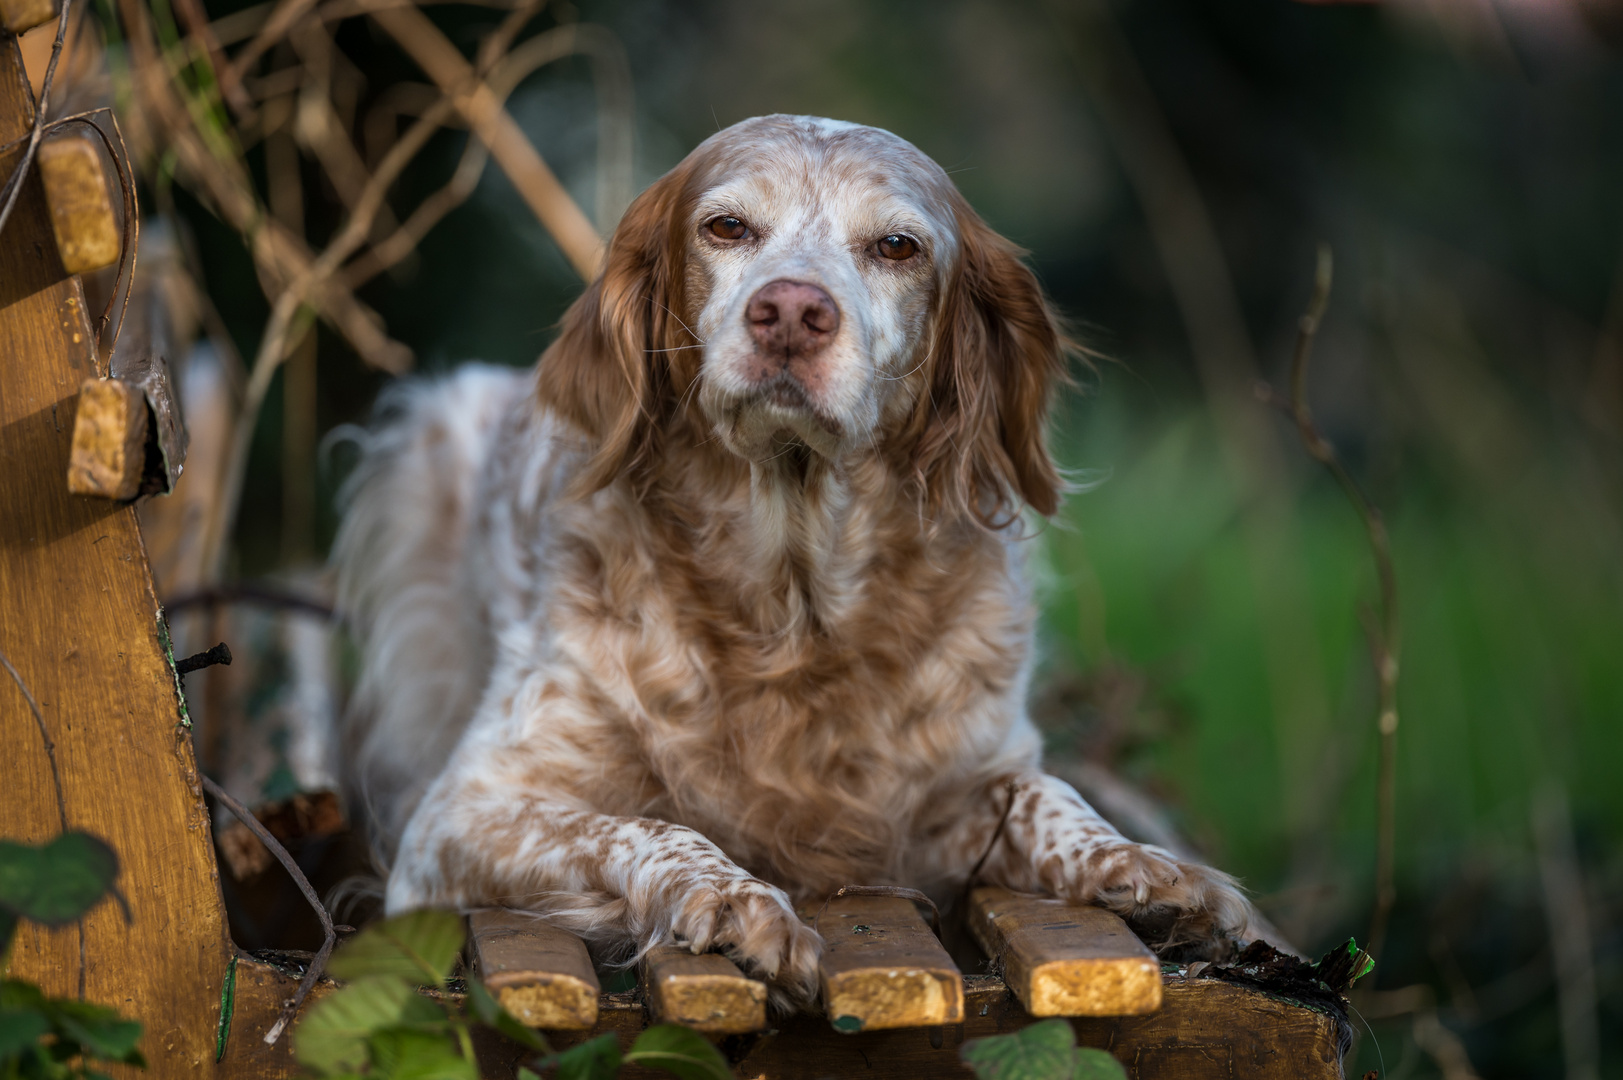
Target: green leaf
98	1029
57	882
526	1074
407	1054
20	1029
1043	1051
1094	1064
420	946
679	1051
594	1059
334	1036
489	1012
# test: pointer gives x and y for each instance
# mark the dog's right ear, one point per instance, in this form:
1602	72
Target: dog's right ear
607	373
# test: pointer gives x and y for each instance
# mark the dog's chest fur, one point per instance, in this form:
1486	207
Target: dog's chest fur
807	683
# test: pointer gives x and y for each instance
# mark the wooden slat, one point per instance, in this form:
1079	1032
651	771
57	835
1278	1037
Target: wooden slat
883	968
76	189
80	623
539	973
706	992
1064	959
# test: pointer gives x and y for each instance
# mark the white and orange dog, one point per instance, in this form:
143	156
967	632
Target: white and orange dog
722	607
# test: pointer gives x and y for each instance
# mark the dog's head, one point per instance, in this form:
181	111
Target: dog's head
805	282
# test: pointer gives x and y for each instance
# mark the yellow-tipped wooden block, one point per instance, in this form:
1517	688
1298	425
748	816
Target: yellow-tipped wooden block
1064	959
76	190
883	968
539	973
706	992
109	440
21	15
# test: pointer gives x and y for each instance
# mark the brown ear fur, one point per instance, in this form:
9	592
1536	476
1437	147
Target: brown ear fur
979	441
610	371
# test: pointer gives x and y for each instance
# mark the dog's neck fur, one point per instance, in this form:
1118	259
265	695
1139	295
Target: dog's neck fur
796	541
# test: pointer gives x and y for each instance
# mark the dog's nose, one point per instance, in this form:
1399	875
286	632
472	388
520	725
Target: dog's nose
792	319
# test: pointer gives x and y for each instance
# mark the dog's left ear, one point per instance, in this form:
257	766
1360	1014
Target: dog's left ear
981	445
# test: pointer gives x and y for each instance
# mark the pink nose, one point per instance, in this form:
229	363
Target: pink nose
792	319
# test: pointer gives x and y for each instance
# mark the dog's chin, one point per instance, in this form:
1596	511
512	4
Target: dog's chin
760	426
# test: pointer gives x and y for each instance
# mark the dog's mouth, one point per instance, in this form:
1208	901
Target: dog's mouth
783	393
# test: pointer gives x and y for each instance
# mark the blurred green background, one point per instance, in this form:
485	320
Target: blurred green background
1171	166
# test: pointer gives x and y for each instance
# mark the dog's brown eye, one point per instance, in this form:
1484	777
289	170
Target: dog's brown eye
897	247
729	228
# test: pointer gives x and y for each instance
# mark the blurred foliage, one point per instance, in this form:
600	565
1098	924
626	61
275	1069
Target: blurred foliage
45	1038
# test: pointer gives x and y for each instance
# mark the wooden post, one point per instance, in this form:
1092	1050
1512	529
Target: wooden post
79	621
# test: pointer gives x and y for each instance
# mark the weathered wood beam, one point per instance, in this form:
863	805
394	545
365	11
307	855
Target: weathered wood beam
1064	959
883	968
539	973
706	992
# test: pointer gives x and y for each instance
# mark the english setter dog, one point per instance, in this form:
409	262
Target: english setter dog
723	606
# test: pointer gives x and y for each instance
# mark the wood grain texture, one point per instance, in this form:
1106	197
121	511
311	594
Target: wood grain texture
109	440
81	204
80	622
706	992
539	973
883	968
1065	959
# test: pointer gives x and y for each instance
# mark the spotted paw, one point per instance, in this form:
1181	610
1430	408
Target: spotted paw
1173	903
756	926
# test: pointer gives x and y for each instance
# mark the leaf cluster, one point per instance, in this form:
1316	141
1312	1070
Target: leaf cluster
381	1027
1043	1051
44	1038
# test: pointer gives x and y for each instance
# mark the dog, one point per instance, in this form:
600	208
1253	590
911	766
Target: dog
724	605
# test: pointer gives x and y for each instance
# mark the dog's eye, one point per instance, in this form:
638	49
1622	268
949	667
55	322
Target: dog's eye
898	247
729	228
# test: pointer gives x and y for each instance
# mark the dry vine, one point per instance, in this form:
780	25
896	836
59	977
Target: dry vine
1382	632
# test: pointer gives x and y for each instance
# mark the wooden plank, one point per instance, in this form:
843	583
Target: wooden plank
76	190
705	992
1207	1030
109	440
883	968
1065	959
80	623
539	973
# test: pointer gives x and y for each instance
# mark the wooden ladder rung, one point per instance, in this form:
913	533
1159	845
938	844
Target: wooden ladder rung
883	968
539	973
1064	959
706	992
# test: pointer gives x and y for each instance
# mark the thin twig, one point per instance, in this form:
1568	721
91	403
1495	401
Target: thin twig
1383	635
250	594
14	185
330	934
535	181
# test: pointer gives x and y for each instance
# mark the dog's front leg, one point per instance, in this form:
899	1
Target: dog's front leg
1050	840
479	838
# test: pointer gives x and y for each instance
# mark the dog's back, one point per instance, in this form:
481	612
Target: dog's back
424	647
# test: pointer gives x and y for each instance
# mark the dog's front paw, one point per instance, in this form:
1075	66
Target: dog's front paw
1176	906
756	926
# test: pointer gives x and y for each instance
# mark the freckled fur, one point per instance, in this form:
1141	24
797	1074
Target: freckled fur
658	658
